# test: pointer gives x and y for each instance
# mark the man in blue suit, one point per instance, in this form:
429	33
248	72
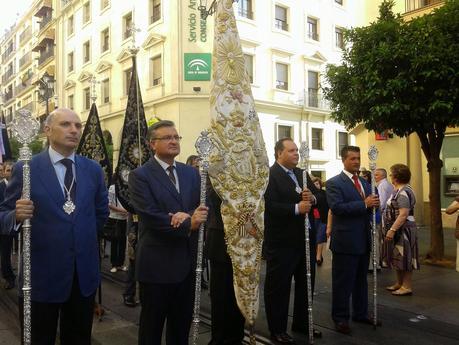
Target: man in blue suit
166	196
64	247
351	202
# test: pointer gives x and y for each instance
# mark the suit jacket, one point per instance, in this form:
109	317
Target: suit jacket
2	190
165	255
284	229
60	243
351	219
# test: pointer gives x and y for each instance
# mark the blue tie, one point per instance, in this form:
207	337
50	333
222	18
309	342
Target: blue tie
293	177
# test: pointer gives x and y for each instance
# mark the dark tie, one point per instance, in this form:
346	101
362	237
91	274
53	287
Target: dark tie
170	172
68	179
357	185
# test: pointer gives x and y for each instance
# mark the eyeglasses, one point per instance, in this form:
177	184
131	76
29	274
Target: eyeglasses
169	138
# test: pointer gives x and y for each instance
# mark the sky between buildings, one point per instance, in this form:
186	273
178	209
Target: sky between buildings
10	11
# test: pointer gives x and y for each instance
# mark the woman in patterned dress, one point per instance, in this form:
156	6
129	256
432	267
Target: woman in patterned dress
400	249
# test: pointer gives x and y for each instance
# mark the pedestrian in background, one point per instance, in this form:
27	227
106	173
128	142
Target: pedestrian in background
6	241
400	249
321	218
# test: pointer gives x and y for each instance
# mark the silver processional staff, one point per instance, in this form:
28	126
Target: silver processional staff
25	129
304	154
203	147
373	155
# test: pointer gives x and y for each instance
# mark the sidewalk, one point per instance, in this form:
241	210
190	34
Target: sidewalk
429	317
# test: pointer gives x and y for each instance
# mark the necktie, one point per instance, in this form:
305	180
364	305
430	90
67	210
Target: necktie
68	178
357	185
170	172
293	177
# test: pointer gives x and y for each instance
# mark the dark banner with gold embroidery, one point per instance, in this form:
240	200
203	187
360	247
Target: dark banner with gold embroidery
134	150
92	144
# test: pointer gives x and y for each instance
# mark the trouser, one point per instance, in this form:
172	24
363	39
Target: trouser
74	316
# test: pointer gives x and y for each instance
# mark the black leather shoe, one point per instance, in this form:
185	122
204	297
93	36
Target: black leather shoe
343	327
129	301
282	338
304	330
368	321
9	285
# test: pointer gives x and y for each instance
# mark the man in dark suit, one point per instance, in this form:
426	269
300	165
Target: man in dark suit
64	250
227	319
351	202
286	206
6	241
166	196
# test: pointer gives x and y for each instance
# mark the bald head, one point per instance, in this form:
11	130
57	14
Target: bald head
63	129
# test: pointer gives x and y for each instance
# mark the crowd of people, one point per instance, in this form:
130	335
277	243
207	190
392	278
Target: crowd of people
161	238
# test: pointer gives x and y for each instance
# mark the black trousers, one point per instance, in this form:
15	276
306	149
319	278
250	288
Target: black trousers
227	320
131	283
74	315
161	302
349	277
281	265
118	244
6	244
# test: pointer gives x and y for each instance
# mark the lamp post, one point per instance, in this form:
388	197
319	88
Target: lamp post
46	89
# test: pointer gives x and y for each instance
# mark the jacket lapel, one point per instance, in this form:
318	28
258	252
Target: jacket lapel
49	179
160	175
184	186
350	186
283	175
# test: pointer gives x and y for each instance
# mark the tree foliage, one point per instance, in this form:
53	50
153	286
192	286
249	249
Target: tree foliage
36	146
403	77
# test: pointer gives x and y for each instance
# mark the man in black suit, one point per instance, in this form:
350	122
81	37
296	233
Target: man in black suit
351	202
166	196
227	320
6	241
286	206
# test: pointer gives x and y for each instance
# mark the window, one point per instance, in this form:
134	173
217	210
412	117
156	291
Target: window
86	98
86	12
70	102
245	9
105	40
127	26
281	76
339	2
105	91
339	41
86	52
156	70
155	11
312	29
343	140
284	131
126	80
70	26
280	21
70	62
104	4
313	89
249	66
316	138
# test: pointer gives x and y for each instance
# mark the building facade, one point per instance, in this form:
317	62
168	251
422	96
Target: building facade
287	45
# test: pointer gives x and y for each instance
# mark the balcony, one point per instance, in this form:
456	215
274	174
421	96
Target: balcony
281	24
8	96
65	3
45	20
44	40
25	36
8	76
43	8
23	86
314	99
8	53
25	60
45	55
313	35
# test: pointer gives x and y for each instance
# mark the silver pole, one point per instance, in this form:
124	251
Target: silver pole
373	155
203	147
304	154
25	128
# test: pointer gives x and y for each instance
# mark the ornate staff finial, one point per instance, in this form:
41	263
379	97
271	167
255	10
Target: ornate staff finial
304	153
94	82
204	147
24	127
373	155
133	30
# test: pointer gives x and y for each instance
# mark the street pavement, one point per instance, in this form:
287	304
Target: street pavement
429	316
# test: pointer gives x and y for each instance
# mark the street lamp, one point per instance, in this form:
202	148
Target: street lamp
46	89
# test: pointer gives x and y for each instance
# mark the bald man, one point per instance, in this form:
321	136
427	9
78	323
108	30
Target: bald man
68	206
